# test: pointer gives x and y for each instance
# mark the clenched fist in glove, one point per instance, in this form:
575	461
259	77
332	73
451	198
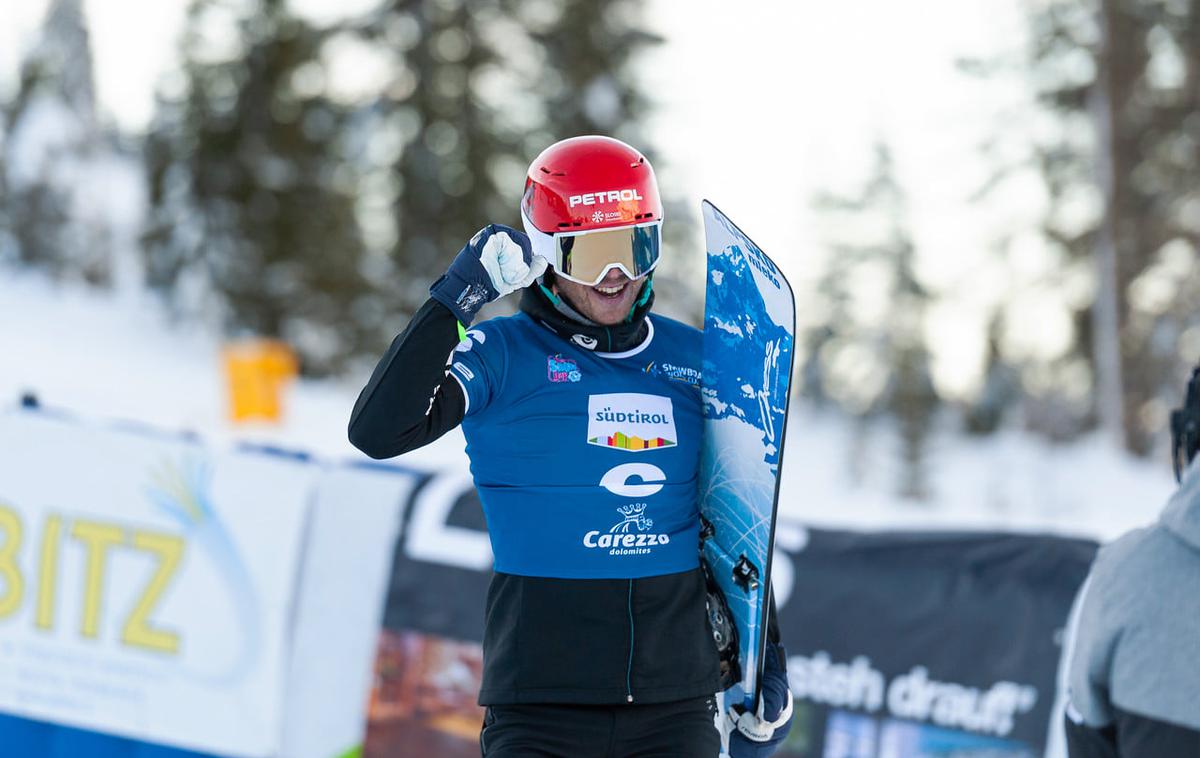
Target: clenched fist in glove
757	735
498	260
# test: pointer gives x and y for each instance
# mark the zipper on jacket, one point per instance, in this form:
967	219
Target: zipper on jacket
629	667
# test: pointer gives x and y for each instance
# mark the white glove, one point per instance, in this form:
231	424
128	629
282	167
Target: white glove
755	727
498	260
504	260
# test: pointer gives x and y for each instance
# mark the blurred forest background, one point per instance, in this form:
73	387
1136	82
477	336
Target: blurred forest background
307	181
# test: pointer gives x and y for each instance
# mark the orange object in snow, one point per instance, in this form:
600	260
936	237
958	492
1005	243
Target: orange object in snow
256	373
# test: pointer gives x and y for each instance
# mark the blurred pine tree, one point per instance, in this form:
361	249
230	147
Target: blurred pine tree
53	138
483	88
323	219
453	173
252	198
1122	78
868	353
588	83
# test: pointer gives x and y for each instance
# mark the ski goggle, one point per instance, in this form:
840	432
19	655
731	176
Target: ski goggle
587	257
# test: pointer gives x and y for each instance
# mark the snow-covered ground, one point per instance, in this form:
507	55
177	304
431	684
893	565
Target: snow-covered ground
107	358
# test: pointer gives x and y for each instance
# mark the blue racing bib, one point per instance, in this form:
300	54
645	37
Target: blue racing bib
586	463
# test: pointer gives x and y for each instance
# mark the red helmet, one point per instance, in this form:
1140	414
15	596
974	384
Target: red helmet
585	185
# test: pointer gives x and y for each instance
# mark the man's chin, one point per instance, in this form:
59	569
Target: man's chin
597	308
610	313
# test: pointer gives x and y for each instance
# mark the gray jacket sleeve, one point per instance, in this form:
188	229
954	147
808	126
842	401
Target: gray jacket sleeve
1091	646
1093	643
1133	676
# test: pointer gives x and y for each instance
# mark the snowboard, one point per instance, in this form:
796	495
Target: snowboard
749	329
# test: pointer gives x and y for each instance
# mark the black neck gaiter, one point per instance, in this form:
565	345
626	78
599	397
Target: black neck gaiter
602	339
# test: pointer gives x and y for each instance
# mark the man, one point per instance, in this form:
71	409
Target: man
597	640
1134	673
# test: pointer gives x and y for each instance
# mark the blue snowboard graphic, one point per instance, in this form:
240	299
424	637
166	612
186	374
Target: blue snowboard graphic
749	326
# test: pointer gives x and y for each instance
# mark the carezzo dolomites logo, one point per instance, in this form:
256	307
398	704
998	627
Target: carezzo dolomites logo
631	421
635	515
629	536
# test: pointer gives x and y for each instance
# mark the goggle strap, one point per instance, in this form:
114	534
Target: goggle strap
554	299
646	290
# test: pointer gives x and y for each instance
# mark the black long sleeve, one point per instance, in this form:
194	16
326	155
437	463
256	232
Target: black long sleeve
1132	735
409	400
1084	741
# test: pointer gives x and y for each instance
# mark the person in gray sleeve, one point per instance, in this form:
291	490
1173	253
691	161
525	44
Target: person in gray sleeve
1134	671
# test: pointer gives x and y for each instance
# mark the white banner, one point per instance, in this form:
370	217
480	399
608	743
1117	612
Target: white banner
347	562
146	584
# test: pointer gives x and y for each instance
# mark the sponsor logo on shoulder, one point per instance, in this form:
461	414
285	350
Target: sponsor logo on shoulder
685	374
629	536
560	369
468	342
631	421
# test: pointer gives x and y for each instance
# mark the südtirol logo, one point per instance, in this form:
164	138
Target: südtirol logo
631	421
560	369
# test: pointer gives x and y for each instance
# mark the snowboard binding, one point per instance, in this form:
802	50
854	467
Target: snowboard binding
724	630
745	574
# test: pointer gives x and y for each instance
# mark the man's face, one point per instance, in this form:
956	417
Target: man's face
607	303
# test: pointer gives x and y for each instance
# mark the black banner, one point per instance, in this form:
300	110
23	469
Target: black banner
927	644
899	644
